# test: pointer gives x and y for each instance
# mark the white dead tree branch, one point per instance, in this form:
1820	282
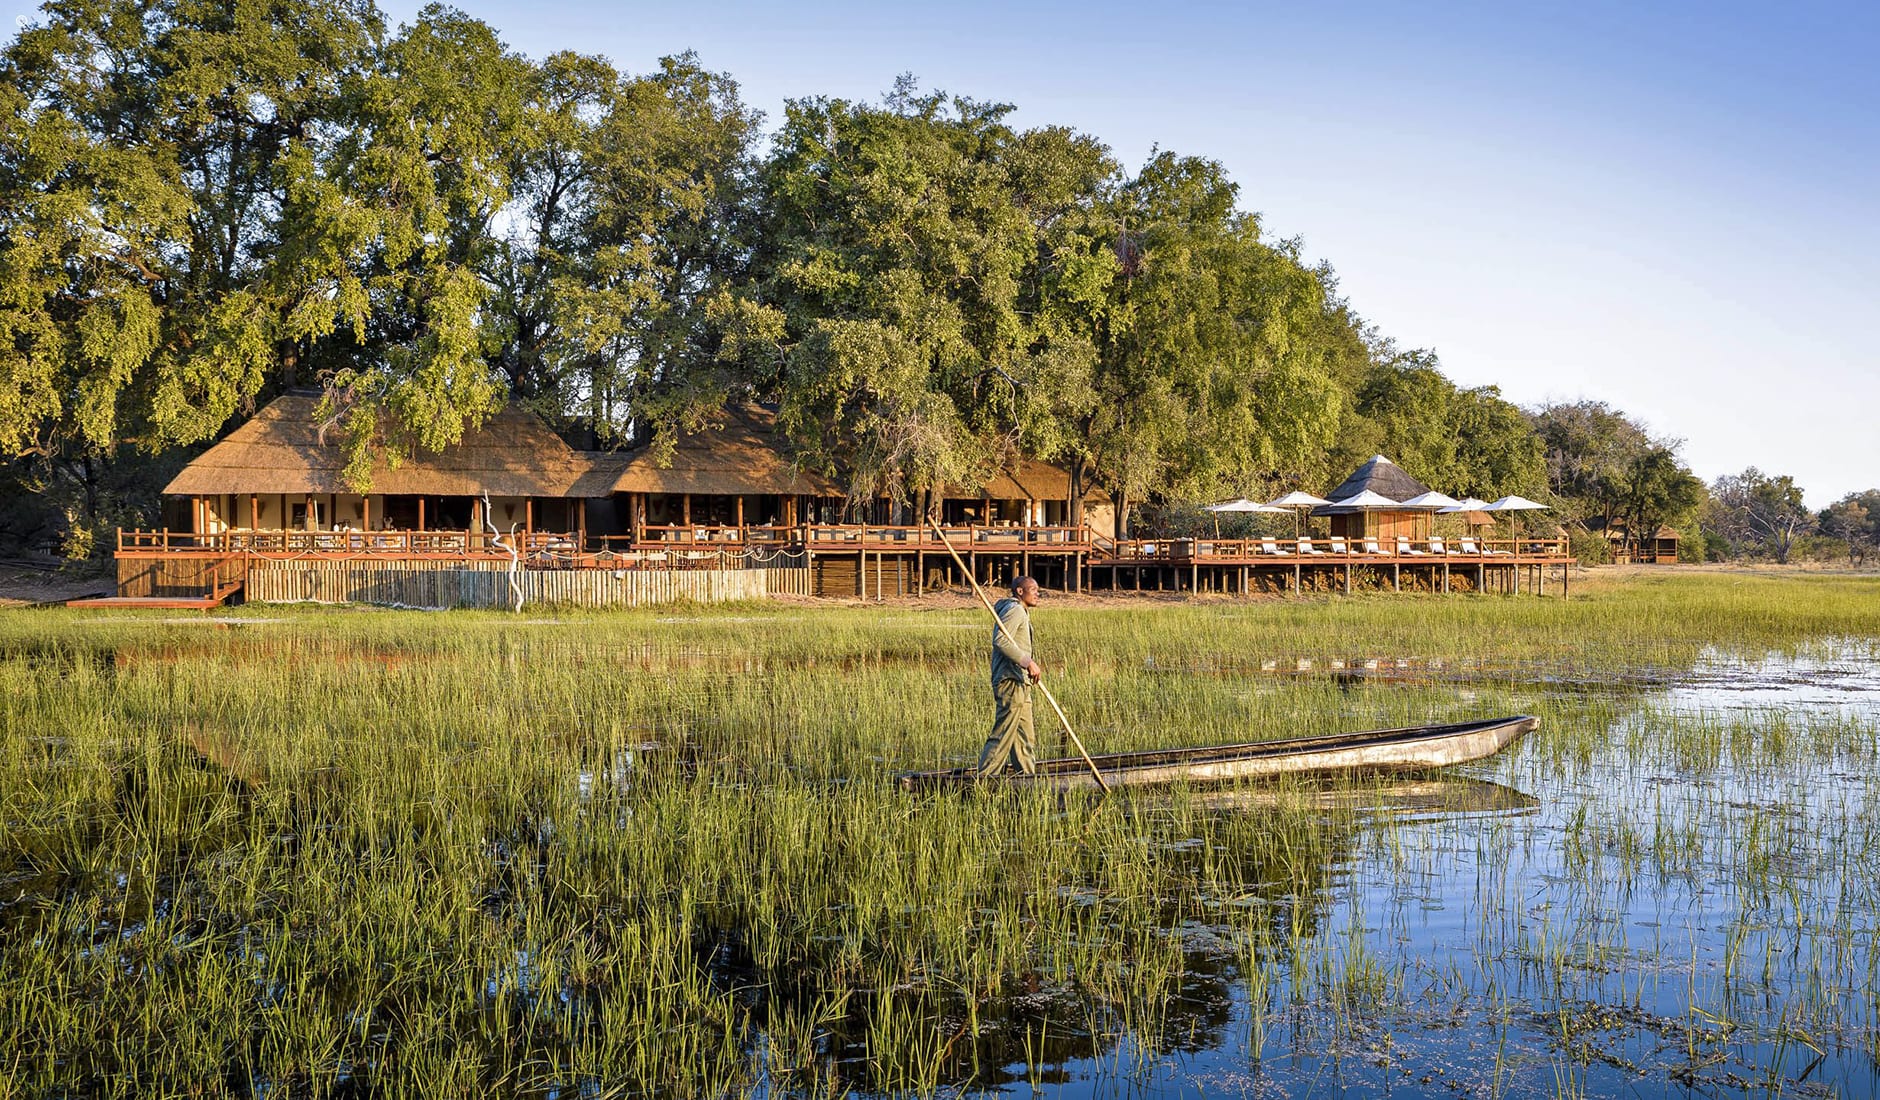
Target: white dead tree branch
515	559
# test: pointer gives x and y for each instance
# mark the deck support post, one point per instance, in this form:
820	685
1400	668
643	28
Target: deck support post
1396	577
1347	576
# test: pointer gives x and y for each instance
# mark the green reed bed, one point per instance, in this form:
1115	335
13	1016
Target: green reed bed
318	852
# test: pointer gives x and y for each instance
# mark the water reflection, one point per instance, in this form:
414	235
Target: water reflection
1414	797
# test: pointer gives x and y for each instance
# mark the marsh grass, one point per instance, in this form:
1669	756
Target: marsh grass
343	852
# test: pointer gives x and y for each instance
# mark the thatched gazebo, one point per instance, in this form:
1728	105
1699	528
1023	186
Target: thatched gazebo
1386	479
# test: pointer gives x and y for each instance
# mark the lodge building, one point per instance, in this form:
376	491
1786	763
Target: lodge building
512	512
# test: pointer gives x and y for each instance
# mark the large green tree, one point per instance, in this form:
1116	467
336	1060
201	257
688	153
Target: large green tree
1209	377
1760	513
1466	442
149	153
917	258
628	229
1855	520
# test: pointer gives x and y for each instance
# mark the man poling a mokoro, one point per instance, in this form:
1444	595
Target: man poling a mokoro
1013	743
1032	672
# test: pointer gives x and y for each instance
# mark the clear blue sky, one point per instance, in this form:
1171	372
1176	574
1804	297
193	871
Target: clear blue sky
1673	208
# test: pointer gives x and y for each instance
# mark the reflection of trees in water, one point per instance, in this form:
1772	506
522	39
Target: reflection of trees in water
1174	988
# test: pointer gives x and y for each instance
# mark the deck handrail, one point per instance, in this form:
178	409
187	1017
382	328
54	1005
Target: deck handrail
733	539
1187	549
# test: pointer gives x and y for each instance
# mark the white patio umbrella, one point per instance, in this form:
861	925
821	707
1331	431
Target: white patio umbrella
1466	504
1432	501
1241	504
1298	502
1513	504
1368	501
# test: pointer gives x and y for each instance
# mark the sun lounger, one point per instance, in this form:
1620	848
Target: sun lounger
1306	547
1271	546
1338	546
1405	550
1438	546
1371	547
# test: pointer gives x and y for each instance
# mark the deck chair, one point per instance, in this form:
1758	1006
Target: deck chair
1405	550
1371	547
1306	547
1338	545
1466	545
1438	546
1271	546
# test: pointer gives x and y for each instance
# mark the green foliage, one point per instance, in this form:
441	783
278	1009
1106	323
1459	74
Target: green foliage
203	204
1759	514
1855	521
1607	473
1465	441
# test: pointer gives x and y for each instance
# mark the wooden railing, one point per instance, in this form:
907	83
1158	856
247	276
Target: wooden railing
651	539
1307	550
343	542
849	536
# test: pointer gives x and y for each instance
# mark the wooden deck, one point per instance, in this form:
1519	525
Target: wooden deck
1331	564
864	560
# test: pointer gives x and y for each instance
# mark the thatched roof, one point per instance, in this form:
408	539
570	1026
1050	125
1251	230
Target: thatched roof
741	454
1029	479
1381	476
279	450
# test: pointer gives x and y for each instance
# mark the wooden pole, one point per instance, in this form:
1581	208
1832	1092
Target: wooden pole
998	625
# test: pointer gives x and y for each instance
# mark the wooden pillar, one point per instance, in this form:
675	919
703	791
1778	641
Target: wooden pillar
365	513
740	511
1396	577
580	523
686	510
420	513
528	516
254	511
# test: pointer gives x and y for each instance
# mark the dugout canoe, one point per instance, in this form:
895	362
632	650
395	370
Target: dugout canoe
1404	749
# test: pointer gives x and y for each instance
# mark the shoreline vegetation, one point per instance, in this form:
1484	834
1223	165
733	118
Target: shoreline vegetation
333	852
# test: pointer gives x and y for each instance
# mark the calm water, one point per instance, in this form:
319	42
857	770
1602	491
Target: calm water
1683	904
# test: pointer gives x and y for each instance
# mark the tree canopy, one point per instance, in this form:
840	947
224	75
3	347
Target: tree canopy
202	205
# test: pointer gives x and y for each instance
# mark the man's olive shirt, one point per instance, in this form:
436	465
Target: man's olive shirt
1011	641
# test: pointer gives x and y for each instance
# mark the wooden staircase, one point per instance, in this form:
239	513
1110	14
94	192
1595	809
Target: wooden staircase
219	592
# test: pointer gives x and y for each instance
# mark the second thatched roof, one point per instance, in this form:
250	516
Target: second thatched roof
740	454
